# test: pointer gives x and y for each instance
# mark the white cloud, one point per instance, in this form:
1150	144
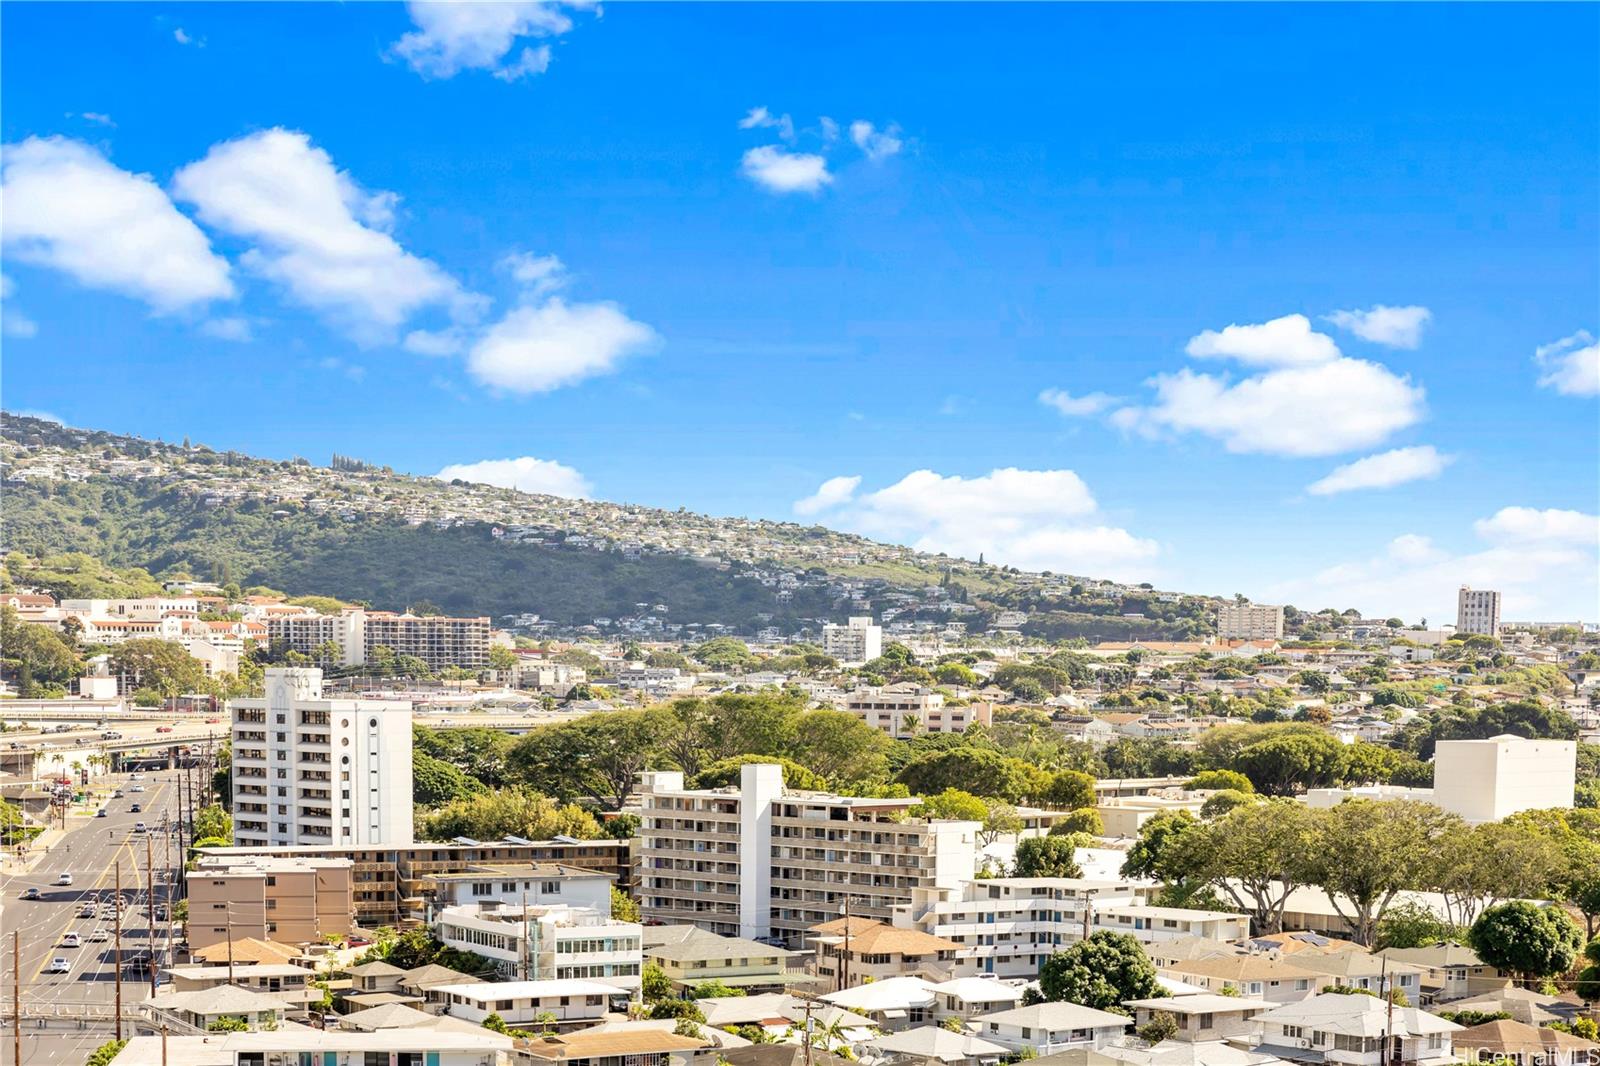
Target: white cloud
874	143
183	37
228	329
540	348
1322	409
833	493
759	118
537	274
316	233
1286	341
13	323
1394	327
462	35
1529	525
1384	470
1553	572
781	171
544	477
1571	365
1037	519
830	129
67	207
1076	406
436	342
97	118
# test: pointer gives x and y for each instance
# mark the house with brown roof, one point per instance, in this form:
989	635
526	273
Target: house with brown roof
634	1047
1257	976
853	951
1508	1040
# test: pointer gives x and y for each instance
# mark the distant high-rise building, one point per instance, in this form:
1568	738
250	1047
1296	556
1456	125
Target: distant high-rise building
1250	621
857	642
1478	612
438	641
308	770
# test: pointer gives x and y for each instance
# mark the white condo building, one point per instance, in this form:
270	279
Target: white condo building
1477	612
907	710
309	770
1007	926
547	943
758	860
854	643
1249	621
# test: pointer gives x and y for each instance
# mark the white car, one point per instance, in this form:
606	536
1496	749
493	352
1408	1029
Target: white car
63	879
137	788
72	940
99	936
59	964
140	827
86	911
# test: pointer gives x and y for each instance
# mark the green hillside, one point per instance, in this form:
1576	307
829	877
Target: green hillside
388	564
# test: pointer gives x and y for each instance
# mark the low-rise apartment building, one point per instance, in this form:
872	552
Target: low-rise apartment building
853	951
758	860
690	956
542	942
572	1004
1008	926
910	710
1355	1031
396	884
291	901
1045	1028
1148	924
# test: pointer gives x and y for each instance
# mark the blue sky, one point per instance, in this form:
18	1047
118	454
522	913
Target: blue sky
308	228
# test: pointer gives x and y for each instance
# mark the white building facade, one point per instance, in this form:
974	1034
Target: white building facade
1486	780
1477	612
1250	621
309	770
854	643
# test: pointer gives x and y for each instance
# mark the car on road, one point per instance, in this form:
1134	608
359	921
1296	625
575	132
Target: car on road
137	777
117	794
163	729
63	879
100	936
137	788
212	721
71	940
59	964
136	808
101	813
31	893
140	827
111	734
161	913
86	911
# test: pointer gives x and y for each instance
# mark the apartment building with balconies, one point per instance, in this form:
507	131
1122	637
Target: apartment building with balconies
309	770
758	860
291	901
1007	926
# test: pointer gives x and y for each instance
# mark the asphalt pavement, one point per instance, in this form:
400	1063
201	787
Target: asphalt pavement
90	852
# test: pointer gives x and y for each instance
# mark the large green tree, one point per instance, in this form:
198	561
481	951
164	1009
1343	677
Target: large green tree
1102	972
1526	939
598	757
1369	851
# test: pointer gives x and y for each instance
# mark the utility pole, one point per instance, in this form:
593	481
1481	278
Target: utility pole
1388	1025
806	1040
117	951
844	969
227	910
16	998
150	908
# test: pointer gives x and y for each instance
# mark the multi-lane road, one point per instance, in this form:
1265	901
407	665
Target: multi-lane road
91	852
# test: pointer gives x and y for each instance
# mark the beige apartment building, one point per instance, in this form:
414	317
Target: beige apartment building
759	861
437	641
908	710
1249	621
291	901
393	884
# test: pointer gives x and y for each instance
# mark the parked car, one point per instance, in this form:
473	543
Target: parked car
59	964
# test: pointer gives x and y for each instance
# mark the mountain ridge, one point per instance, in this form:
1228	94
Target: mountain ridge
367	533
